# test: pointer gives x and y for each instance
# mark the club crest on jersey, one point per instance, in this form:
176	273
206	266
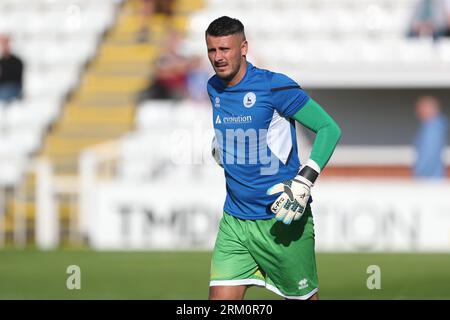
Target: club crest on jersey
217	102
249	100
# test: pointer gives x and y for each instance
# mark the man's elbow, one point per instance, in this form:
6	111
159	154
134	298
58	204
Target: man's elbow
337	131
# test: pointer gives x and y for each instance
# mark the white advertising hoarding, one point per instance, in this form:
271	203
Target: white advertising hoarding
350	215
382	215
178	213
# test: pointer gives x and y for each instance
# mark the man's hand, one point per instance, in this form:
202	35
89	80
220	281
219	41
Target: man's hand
215	151
291	204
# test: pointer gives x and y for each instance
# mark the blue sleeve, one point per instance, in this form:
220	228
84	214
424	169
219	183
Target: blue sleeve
287	96
209	90
208	87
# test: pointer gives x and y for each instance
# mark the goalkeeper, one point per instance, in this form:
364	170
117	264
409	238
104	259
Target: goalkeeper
266	234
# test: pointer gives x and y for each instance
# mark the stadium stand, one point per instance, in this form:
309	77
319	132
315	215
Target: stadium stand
84	68
342	43
54	48
55	39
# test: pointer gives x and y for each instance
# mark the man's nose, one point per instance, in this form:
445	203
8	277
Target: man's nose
218	57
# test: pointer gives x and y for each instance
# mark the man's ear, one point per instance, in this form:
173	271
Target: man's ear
244	48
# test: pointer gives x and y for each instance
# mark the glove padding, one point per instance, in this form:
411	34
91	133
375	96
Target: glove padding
215	152
291	204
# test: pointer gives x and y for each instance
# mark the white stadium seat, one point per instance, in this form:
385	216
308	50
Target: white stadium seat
55	38
323	35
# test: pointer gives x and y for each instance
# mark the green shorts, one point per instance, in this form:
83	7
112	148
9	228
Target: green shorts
266	253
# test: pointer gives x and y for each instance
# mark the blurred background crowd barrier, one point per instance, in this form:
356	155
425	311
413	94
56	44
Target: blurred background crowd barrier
105	111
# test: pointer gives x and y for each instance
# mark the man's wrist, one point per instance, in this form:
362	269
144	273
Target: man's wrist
308	173
312	164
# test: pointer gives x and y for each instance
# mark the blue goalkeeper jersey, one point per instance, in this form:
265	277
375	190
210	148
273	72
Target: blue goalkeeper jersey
256	137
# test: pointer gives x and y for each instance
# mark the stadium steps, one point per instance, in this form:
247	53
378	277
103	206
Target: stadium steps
65	215
89	130
58	145
129	25
110	100
19	205
102	107
97	114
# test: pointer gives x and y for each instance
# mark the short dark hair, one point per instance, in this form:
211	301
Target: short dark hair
225	26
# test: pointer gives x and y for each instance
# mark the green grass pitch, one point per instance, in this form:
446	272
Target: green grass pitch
32	274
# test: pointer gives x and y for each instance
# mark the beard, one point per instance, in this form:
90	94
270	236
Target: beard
230	76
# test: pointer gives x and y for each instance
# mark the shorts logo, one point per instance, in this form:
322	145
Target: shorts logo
249	100
217	102
302	284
